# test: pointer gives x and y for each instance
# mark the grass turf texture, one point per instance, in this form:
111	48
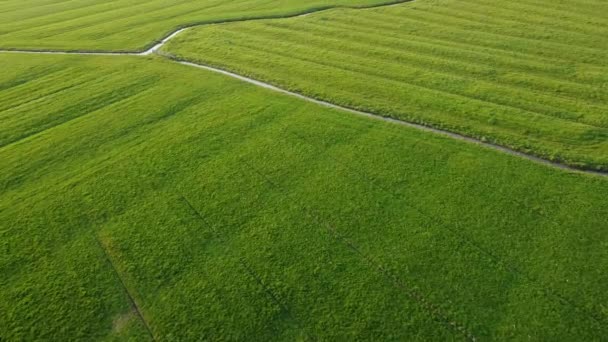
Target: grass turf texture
531	75
232	212
128	25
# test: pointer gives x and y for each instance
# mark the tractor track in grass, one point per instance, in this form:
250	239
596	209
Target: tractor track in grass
497	259
132	301
154	50
417	297
252	273
273	296
398	282
432	309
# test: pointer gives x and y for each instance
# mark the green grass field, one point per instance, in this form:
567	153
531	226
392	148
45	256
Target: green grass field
528	74
142	199
127	25
232	212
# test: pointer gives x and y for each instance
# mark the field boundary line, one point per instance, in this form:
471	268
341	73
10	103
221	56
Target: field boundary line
132	301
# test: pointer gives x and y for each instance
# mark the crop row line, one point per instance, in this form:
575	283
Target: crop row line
155	45
356	66
89	107
431	54
374	21
452	23
545	7
474	15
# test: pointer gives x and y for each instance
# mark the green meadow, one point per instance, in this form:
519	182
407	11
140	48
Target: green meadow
142	199
128	25
146	200
531	75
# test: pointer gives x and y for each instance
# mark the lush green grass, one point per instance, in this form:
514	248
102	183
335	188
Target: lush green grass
527	74
122	25
231	212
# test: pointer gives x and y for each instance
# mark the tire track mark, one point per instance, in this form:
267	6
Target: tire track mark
251	272
434	310
464	238
132	301
403	285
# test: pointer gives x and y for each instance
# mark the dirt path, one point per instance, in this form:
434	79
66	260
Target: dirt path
154	49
